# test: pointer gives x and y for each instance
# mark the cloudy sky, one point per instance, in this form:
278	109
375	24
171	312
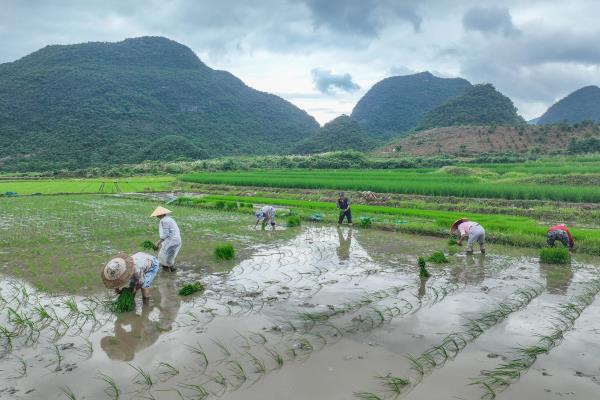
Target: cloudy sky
322	55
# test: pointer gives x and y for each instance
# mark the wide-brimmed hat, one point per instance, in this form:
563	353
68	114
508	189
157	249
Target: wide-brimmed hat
117	272
160	211
457	223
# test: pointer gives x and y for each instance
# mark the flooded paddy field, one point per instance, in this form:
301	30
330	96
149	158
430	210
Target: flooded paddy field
313	312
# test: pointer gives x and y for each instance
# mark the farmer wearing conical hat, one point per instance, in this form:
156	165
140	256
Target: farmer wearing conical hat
169	241
471	231
266	215
134	272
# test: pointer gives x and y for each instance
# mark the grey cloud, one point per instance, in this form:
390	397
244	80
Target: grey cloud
489	20
327	82
362	17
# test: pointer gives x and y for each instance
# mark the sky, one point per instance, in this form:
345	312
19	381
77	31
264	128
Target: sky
323	55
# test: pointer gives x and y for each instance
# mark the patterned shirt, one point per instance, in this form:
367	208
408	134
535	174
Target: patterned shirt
142	262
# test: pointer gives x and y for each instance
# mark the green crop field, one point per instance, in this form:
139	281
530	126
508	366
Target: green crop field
96	185
482	183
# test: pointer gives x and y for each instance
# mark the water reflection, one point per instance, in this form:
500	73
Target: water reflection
343	250
134	332
473	273
558	277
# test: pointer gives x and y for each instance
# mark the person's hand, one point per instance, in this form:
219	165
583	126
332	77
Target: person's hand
157	245
459	243
118	291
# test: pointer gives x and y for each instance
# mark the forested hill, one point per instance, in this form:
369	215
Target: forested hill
395	105
479	105
343	133
581	105
103	103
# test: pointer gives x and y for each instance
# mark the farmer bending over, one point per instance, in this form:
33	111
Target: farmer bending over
170	239
471	231
266	215
131	273
343	204
561	233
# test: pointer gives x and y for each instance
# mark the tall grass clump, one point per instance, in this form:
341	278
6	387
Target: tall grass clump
293	221
224	251
124	302
191	288
555	255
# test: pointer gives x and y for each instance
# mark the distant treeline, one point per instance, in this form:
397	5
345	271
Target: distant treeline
332	160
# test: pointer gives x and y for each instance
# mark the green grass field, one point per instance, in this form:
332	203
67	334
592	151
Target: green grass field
479	182
96	185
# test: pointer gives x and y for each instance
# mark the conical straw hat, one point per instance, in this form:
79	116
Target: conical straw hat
160	211
116	273
457	223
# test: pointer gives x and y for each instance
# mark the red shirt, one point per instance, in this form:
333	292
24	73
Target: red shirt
562	227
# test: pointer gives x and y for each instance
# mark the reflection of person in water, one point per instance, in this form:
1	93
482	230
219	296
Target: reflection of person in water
558	278
135	332
343	251
473	273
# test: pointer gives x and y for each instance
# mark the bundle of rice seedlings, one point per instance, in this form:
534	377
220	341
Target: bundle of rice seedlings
191	288
423	273
438	257
224	251
148	245
555	255
452	242
293	220
124	302
365	222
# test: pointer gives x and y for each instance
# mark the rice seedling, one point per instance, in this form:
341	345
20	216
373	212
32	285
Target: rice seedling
124	302
22	367
224	349
394	384
238	373
198	351
293	221
68	393
452	242
198	390
555	255
423	273
494	381
59	356
112	390
277	357
438	257
224	251
191	288
367	396
259	365
365	222
148	245
144	376
168	369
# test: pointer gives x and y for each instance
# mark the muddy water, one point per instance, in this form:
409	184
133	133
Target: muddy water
319	315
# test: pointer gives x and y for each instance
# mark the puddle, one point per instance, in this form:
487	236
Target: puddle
314	312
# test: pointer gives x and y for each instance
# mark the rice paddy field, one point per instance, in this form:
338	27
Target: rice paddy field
305	312
570	180
106	185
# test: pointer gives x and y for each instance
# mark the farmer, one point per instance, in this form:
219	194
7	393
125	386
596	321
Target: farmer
169	241
266	215
471	231
561	233
343	204
131	273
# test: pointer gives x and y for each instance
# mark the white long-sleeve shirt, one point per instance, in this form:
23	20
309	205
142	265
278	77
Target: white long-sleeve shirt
168	230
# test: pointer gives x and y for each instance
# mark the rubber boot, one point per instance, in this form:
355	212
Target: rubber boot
173	268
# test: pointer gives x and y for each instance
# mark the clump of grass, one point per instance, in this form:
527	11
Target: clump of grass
293	220
365	222
148	245
438	257
224	251
230	206
219	205
555	255
452	250
191	288
452	242
124	302
423	273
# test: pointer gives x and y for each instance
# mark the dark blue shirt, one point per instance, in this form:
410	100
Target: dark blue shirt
343	203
